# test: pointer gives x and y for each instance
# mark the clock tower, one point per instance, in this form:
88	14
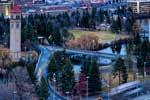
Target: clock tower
15	33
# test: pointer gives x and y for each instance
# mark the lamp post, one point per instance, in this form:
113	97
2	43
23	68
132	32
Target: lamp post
14	95
54	79
137	80
87	86
67	95
93	44
144	70
108	85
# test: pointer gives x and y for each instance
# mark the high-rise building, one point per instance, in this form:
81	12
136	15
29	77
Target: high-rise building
139	6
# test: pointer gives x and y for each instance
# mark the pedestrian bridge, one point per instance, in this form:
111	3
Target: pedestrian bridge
78	54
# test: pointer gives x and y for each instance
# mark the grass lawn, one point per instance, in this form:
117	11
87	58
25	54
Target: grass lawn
105	36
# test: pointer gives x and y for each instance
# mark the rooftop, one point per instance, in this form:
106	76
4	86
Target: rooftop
16	9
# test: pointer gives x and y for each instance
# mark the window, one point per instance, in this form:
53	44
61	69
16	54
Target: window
17	25
11	16
17	17
12	25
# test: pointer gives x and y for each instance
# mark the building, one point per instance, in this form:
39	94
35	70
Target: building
115	1
139	6
15	33
5	7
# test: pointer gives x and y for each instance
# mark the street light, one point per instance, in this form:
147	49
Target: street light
67	95
144	70
108	85
137	80
14	95
93	44
54	79
87	86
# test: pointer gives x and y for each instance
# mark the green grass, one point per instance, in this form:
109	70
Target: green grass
105	36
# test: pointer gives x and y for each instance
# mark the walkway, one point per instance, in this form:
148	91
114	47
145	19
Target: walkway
87	52
41	71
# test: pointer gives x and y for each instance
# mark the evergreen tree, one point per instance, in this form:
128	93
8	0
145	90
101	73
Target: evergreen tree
55	63
86	67
42	89
115	26
120	69
94	81
124	74
101	16
67	79
85	19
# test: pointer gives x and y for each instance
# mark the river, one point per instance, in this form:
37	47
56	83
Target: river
144	24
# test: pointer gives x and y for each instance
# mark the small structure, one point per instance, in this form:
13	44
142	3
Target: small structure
15	33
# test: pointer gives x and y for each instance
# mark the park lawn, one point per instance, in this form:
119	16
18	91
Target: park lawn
105	36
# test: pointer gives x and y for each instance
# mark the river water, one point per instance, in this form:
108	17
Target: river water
145	27
144	24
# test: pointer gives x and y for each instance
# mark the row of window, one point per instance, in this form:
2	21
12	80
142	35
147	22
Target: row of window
17	17
13	25
144	7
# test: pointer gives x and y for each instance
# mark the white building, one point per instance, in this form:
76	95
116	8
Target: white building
139	6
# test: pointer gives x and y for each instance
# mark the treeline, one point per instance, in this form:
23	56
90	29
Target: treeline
56	27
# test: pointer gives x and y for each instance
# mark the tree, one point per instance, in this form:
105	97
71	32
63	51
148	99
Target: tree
94	81
55	63
86	42
85	19
82	84
100	16
115	26
120	69
129	24
31	69
56	36
67	79
136	29
86	67
42	89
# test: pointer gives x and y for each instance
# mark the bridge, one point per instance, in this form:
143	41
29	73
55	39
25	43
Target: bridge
79	54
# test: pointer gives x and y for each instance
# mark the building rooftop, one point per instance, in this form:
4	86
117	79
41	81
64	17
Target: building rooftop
16	9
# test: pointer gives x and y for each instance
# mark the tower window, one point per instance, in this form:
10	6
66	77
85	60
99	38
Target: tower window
11	16
17	25
17	17
12	25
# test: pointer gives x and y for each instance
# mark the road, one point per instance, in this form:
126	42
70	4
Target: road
41	71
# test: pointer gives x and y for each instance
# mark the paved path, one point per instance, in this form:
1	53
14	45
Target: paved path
41	71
